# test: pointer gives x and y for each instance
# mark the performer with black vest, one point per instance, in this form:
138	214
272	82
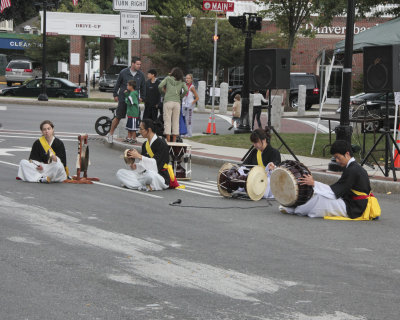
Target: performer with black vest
349	198
149	170
47	161
262	154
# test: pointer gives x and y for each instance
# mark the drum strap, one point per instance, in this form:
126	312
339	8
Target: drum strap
47	147
259	159
173	183
372	211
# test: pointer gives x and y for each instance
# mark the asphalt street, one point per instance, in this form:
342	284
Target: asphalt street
104	252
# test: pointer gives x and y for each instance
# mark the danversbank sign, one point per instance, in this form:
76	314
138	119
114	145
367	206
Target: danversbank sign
335	30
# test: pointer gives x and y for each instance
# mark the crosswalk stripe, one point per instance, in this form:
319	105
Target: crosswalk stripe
203	194
32	137
143	193
200	186
202	189
208	182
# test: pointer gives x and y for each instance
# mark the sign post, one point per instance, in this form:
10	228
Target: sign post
217	6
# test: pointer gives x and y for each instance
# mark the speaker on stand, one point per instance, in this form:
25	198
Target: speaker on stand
270	69
382	74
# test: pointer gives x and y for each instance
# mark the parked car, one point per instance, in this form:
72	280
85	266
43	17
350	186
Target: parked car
22	70
109	78
311	81
55	87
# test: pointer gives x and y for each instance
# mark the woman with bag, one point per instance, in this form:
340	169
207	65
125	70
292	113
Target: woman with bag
175	90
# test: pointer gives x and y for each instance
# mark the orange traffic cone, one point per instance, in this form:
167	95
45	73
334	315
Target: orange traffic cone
214	129
208	131
397	156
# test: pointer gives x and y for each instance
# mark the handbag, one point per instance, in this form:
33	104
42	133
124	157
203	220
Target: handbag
182	124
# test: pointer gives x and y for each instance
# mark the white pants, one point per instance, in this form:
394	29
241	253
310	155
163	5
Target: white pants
28	171
323	203
133	179
188	113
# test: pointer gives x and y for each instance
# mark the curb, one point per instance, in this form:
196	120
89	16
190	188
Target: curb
377	185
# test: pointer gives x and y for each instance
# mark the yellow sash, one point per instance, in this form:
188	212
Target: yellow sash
47	147
259	159
166	166
372	211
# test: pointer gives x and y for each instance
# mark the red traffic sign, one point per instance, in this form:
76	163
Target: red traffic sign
218	6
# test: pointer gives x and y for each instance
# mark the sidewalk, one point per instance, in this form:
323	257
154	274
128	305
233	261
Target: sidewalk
216	156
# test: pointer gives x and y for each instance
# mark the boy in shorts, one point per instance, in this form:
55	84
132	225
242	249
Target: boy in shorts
132	111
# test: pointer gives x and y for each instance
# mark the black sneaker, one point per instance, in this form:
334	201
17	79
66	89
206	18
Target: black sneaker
230	128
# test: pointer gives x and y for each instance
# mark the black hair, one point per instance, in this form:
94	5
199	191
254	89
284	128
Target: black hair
152	71
132	83
134	59
260	134
46	122
177	73
148	124
341	147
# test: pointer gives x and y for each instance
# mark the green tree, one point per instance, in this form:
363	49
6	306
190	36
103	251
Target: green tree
20	11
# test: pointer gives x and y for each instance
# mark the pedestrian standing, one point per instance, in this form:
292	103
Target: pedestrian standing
175	89
236	110
257	101
188	103
132	111
153	96
131	73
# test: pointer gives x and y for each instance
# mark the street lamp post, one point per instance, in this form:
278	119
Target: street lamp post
188	22
43	96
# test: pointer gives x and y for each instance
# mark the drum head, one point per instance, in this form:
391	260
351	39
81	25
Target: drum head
84	157
256	183
127	160
284	186
222	191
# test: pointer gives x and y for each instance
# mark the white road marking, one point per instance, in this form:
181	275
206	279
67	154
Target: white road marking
143	193
6	151
9	163
33	137
205	188
203	194
140	262
226	118
23	240
3	108
321	128
38	132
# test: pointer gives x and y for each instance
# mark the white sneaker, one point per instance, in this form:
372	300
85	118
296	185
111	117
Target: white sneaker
110	138
44	180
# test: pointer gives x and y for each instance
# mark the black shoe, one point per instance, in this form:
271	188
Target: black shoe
230	128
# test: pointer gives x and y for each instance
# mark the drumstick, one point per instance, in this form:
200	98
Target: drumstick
247	154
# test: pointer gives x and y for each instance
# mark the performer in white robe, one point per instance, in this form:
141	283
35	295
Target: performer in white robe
148	172
47	161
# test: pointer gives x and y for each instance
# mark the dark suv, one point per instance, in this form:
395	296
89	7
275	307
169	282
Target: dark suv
311	81
109	78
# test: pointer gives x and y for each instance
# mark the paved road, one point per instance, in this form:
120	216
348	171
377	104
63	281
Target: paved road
103	252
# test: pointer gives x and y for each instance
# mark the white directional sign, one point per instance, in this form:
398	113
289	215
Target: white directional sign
130	5
130	25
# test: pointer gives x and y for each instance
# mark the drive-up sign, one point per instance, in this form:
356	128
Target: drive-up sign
218	6
130	5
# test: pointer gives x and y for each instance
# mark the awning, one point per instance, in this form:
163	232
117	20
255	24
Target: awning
387	33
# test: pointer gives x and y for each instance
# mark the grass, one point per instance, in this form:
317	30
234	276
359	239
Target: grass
300	143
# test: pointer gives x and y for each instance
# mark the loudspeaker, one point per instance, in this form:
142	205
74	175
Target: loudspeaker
269	69
382	68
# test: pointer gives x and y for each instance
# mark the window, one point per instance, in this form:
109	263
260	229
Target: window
19	65
34	84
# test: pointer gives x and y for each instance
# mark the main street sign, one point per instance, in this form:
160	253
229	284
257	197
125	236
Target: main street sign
219	6
130	25
130	5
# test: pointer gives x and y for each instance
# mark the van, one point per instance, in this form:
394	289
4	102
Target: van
22	70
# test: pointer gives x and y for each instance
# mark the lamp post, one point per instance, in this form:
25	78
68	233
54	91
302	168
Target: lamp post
188	22
43	96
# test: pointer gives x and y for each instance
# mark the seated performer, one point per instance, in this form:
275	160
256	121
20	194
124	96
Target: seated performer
148	171
350	197
47	161
262	154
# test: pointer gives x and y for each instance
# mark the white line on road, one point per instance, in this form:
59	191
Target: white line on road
203	194
143	193
32	137
226	118
38	132
321	128
9	163
3	108
201	185
144	264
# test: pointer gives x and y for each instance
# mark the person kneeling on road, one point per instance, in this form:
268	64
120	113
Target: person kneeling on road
349	198
149	171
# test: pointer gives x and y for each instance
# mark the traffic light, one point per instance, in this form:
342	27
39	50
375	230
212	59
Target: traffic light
255	23
216	37
238	22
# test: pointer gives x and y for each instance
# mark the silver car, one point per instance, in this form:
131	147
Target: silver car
22	70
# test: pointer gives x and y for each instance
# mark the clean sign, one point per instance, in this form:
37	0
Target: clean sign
130	25
218	6
130	5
